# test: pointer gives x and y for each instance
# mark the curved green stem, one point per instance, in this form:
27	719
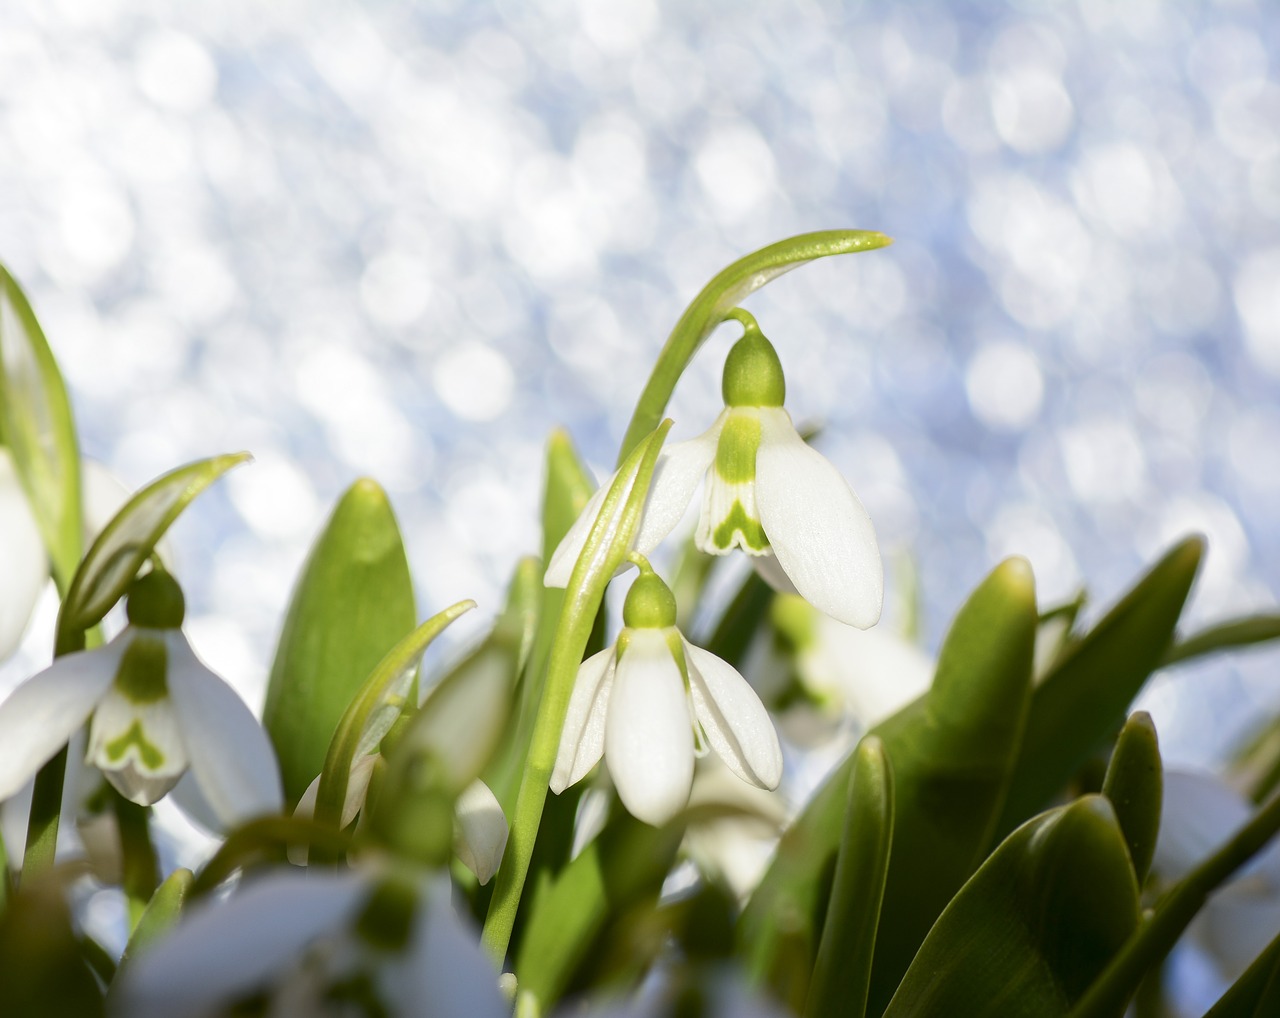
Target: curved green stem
718	299
604	551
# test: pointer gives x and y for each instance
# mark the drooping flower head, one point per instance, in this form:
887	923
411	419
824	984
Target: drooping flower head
767	493
652	702
156	710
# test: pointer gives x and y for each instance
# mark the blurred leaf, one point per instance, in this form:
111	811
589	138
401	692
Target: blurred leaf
352	603
729	288
162	912
43	971
1226	636
1135	785
37	425
842	974
741	620
952	751
1032	929
1084	698
128	540
1256	994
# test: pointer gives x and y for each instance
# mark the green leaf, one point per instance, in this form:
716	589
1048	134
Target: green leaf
730	287
1135	785
1256	994
1084	698
952	752
161	914
128	540
1031	930
842	974
1225	636
352	603
37	425
43	967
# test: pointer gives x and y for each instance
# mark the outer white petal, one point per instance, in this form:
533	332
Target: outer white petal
582	738
648	733
39	716
565	557
229	751
823	538
480	831
452	976
680	467
739	728
592	815
875	671
224	950
772	573
1200	812
1238	922
23	566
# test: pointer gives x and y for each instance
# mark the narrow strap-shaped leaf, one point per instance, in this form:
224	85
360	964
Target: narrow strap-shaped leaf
952	752
352	603
267	839
1225	636
1135	785
1173	913
842	975
1084	698
161	914
1033	927
1258	987
37	425
731	286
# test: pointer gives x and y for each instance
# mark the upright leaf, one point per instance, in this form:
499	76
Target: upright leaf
1031	930
1084	698
1134	783
352	604
1256	994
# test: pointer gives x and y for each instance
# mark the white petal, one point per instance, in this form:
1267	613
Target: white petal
680	467
648	732
452	975
124	735
480	831
771	572
23	566
582	738
589	821
230	753
823	538
565	557
739	728
224	950
40	715
102	496
357	789
1236	925
1200	812
874	671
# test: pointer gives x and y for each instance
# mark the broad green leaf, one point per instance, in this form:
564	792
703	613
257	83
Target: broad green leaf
1256	994
1135	785
352	603
1031	930
1084	698
731	286
37	425
129	539
952	751
1225	636
842	974
162	912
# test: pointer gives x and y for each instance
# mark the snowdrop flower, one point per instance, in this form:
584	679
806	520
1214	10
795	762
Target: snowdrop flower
317	943
652	701
767	493
1200	812
156	710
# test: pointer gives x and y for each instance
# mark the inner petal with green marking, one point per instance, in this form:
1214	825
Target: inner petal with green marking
729	517
137	745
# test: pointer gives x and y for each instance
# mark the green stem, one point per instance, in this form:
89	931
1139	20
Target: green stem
1111	991
139	865
604	550
46	808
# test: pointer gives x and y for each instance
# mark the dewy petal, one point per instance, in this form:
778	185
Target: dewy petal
39	717
23	566
224	950
648	732
452	976
229	751
680	467
480	831
736	722
582	738
823	538
137	746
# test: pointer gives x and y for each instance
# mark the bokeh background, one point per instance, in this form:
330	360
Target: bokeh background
406	240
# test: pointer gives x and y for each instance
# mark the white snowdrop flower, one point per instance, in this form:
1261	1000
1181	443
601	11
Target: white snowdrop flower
652	702
156	710
313	944
767	493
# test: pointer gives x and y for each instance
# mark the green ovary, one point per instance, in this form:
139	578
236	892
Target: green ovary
148	753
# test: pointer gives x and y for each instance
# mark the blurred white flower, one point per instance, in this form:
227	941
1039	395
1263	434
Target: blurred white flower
317	943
